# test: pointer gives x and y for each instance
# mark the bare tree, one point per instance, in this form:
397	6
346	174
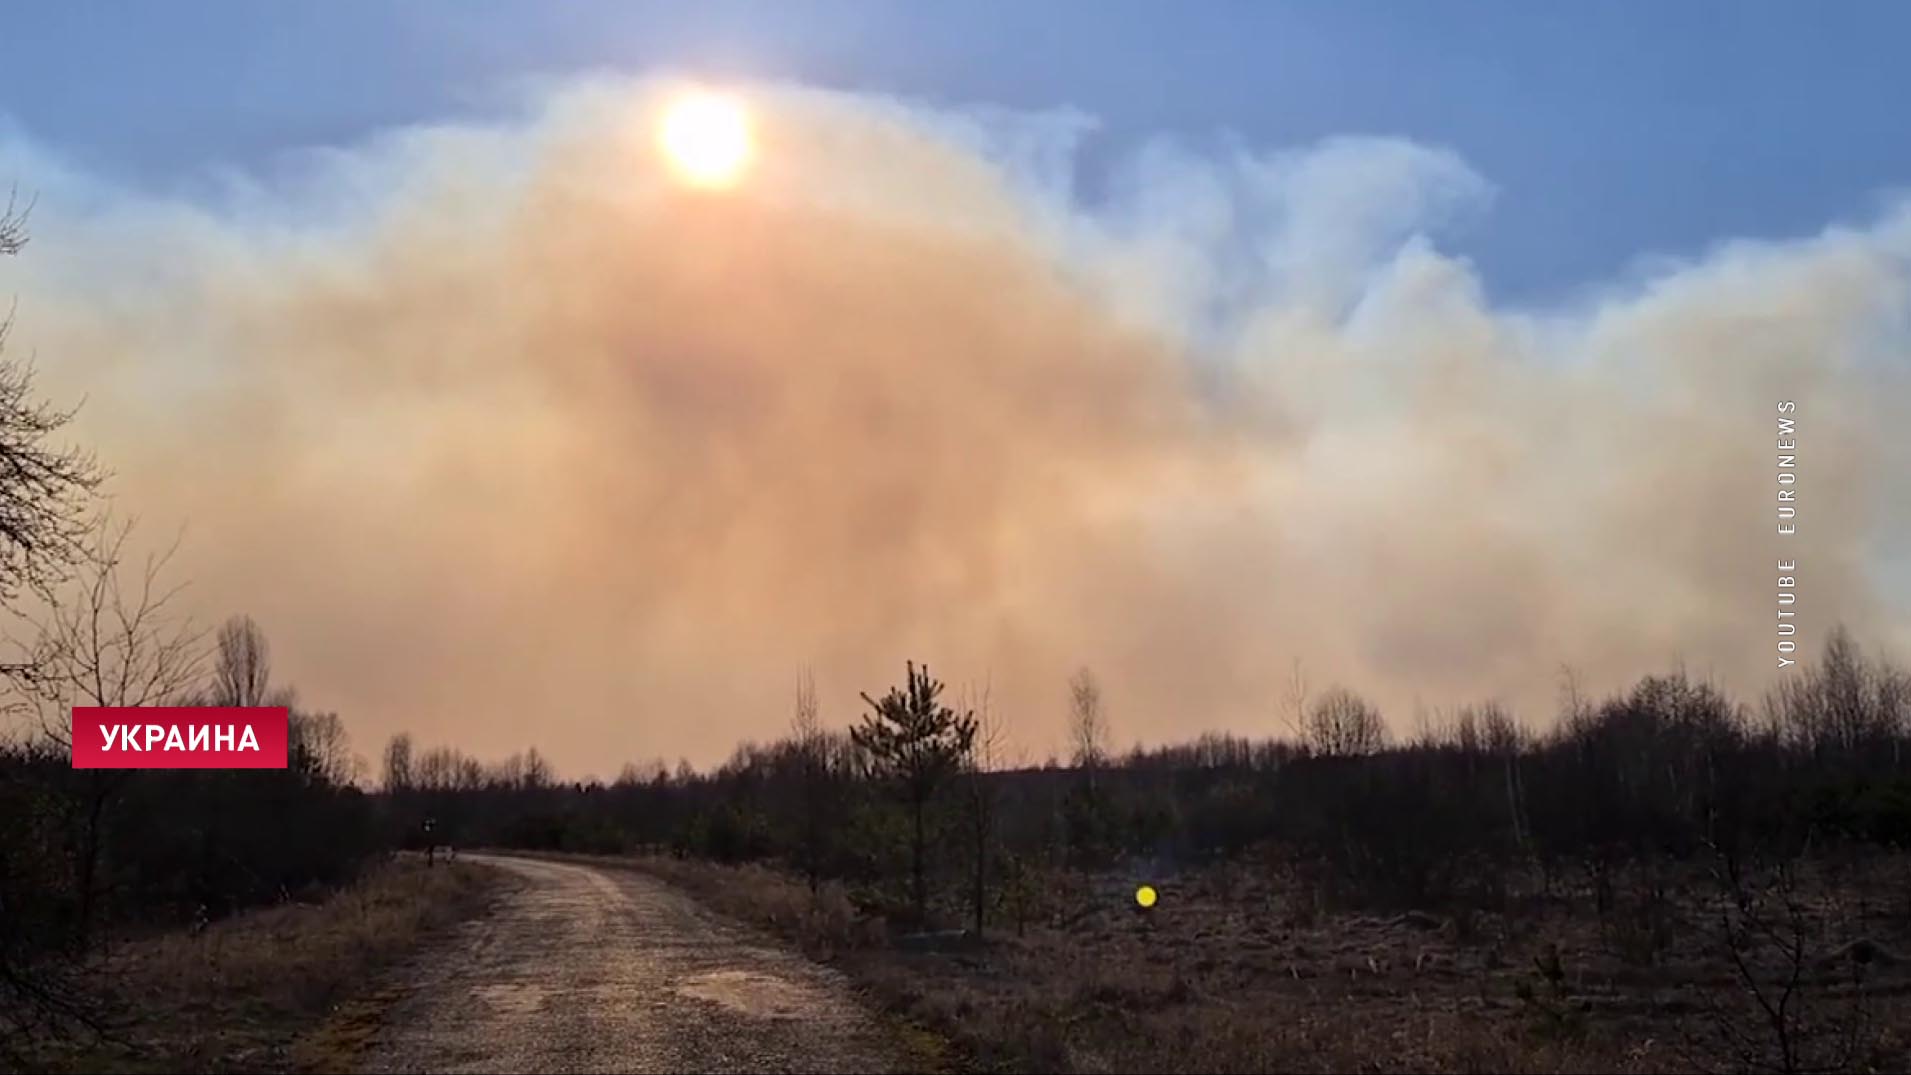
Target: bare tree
46	490
318	746
242	668
437	769
1501	736
984	755
1573	703
508	773
812	761
1294	705
1798	998
1845	708
13	224
537	770
806	718
1087	723
1342	724
399	777
108	638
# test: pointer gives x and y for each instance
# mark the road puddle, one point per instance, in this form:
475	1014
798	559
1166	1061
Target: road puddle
763	996
512	999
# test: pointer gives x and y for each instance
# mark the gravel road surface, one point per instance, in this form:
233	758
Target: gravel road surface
581	968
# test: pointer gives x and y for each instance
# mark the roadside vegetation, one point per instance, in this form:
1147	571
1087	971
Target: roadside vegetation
257	991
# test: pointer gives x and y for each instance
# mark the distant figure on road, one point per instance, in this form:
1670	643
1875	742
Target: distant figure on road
432	843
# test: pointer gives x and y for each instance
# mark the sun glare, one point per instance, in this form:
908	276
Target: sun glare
706	139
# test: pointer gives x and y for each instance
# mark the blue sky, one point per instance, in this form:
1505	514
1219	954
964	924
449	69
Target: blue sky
1610	131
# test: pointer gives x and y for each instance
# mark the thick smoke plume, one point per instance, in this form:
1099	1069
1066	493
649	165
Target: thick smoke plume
507	439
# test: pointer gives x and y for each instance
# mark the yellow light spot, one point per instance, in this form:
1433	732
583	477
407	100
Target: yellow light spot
706	139
1145	895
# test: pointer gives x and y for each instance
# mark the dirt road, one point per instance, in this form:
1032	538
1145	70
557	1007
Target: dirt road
589	969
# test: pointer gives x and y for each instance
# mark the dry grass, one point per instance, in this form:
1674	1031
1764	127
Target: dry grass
240	994
824	924
1246	968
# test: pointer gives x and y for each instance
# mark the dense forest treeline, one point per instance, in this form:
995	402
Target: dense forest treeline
1671	768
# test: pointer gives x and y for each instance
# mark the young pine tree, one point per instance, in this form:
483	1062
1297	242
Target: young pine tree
918	742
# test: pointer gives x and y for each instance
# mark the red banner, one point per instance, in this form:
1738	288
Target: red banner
180	737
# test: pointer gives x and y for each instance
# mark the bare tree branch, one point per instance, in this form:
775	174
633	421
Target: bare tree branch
107	639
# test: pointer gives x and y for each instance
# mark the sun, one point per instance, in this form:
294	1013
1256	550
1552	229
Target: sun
706	139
